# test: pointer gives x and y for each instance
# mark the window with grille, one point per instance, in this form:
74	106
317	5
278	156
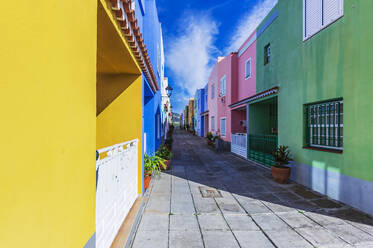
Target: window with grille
223	84
318	14
324	128
222	126
248	68
267	54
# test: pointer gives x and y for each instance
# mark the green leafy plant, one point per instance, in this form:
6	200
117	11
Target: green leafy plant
164	153
209	136
154	164
281	156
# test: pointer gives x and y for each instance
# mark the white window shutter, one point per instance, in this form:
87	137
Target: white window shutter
333	9
312	15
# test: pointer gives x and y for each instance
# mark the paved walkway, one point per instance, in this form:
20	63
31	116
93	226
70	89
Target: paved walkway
248	209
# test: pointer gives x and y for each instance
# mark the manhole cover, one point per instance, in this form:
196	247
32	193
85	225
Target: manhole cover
207	192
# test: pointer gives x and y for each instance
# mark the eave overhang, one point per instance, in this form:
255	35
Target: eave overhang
126	18
262	94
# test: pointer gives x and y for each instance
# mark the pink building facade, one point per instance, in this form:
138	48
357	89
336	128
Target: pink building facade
227	92
245	86
231	82
212	99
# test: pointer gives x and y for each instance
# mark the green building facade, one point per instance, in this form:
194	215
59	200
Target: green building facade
317	97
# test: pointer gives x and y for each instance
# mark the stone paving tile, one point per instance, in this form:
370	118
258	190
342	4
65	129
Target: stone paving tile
182	207
241	223
154	222
326	203
366	227
219	239
269	221
206	206
287	196
319	237
182	239
351	234
155	238
212	222
229	205
297	220
160	205
279	207
307	194
183	222
287	238
254	209
268	197
252	239
252	206
303	205
323	219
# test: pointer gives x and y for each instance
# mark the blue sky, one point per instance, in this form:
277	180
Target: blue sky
196	32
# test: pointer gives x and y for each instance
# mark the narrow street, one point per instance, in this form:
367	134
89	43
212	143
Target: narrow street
218	200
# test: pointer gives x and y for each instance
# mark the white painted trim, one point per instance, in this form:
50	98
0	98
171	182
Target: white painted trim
305	38
251	72
225	133
221	93
248	44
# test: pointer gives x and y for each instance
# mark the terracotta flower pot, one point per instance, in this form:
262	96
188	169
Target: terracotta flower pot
147	181
281	174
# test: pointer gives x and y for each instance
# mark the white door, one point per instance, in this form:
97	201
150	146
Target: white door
116	191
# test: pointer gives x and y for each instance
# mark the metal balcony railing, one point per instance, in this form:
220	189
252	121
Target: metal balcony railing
261	147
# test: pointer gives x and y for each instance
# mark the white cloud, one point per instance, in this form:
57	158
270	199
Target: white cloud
249	23
190	54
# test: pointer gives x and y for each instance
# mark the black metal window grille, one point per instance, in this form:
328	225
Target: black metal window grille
324	128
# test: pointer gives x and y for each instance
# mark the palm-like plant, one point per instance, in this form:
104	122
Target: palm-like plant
164	153
153	164
281	156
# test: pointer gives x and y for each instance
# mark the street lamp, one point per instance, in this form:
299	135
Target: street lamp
169	90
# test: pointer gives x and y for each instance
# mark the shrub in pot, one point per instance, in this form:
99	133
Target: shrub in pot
152	165
210	139
280	171
166	154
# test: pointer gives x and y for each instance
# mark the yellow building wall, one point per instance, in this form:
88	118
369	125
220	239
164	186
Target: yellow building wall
48	121
121	121
119	87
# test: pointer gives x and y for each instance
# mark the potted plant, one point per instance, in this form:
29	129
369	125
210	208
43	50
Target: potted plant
152	165
210	139
280	170
166	154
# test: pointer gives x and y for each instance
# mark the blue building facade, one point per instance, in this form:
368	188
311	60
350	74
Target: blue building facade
204	112
148	22
199	104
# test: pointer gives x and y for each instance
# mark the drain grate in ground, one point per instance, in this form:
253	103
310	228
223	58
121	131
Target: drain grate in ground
207	192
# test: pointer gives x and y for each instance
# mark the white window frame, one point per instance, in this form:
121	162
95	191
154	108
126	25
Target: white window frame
212	91
223	86
323	25
212	123
225	127
248	76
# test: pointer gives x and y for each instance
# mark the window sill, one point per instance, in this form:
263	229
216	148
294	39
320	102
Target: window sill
323	149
